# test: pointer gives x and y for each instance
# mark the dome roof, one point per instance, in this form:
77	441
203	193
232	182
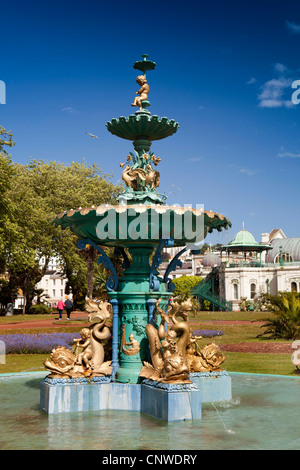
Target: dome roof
243	237
286	245
244	241
210	260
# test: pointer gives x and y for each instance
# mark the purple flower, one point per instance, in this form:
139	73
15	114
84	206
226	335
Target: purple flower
207	333
37	343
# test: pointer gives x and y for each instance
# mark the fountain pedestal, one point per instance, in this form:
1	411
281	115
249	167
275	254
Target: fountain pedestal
133	297
168	402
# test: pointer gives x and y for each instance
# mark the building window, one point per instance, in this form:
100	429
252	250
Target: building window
252	290
293	287
285	257
53	292
235	291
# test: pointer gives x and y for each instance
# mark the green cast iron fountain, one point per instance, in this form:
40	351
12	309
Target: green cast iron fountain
143	224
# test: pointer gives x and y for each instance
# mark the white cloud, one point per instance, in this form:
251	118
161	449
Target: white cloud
249	171
70	110
273	93
293	27
289	155
245	171
251	81
280	67
196	159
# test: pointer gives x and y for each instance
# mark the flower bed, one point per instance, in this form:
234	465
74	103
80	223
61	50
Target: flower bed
43	343
37	343
207	333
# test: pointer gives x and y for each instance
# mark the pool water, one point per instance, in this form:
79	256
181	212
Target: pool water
263	414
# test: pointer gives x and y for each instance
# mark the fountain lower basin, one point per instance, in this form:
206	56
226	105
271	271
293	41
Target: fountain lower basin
262	415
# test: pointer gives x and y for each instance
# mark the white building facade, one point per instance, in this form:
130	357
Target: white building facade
278	271
53	283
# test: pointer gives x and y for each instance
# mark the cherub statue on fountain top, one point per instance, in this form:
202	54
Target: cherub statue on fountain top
143	92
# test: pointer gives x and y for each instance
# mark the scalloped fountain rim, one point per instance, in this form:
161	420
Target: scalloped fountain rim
140	208
142	125
83	223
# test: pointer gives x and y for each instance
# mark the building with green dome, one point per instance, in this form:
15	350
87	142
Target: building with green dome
247	268
244	243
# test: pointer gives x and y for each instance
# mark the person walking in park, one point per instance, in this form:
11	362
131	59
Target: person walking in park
60	308
69	307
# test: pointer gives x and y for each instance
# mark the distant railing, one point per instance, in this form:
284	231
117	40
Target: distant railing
204	289
257	264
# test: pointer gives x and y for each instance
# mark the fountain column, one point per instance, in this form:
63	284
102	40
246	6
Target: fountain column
133	296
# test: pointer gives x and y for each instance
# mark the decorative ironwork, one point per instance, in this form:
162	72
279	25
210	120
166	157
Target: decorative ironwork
173	265
154	280
119	251
112	282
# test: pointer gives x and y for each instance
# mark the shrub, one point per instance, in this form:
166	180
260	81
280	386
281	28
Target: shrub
184	284
206	304
39	309
286	321
182	292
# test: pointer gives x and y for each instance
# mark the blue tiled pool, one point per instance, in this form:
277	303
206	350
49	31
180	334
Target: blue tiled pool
263	414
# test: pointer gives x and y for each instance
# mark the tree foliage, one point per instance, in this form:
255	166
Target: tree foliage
182	292
6	175
184	284
31	196
285	323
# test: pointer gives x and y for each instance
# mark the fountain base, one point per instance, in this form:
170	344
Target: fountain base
214	386
171	402
168	402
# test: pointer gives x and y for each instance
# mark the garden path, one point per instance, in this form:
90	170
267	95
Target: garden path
52	322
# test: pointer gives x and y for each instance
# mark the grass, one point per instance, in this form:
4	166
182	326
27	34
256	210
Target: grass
278	364
23	363
25	318
237	316
256	363
259	363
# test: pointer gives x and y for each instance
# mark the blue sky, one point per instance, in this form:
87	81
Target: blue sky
224	72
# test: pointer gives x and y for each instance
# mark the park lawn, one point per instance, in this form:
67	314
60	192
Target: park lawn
24	318
267	363
233	333
34	331
23	363
238	316
256	363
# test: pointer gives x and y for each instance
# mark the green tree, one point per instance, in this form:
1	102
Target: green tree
184	284
182	292
40	191
6	175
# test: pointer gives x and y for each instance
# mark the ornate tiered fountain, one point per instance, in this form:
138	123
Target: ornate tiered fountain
155	363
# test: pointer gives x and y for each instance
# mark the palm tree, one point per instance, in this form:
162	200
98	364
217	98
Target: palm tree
285	323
